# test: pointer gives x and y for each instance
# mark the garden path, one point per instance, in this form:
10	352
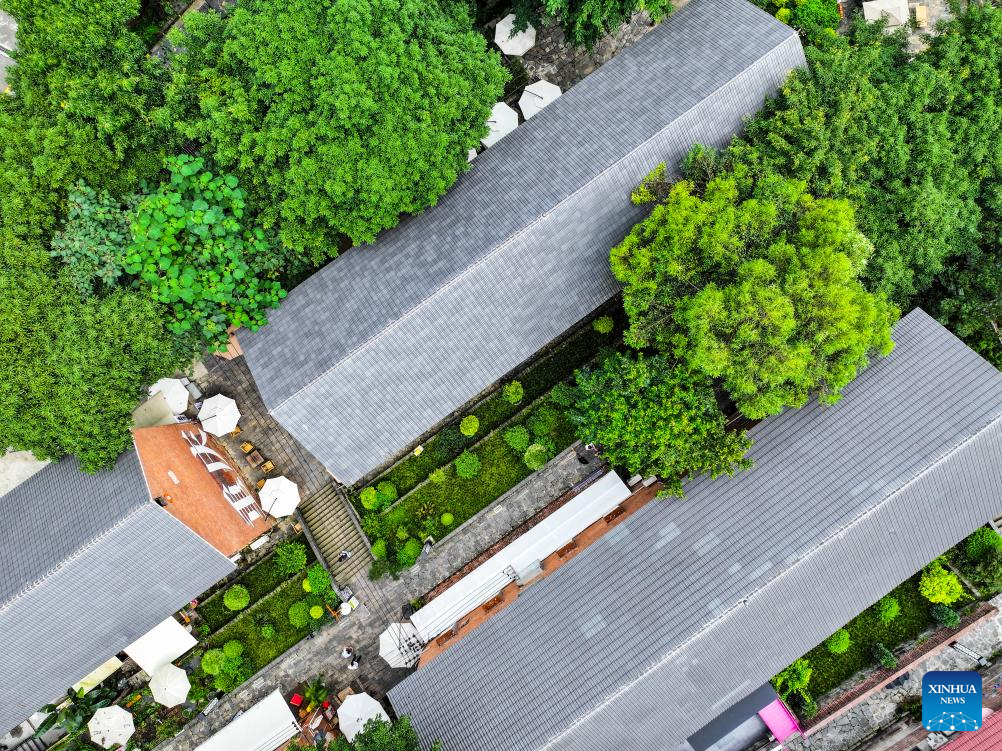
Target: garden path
879	709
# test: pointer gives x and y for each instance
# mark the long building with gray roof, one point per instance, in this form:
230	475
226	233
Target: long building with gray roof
386	342
88	564
690	605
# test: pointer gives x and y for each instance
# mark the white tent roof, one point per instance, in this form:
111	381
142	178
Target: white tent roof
400	645
503	120
551	534
264	727
279	496
160	646
518	44
895	10
536	96
111	726
219	415
170	685
174	392
357	710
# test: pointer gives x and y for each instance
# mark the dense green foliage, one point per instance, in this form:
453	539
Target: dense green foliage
888	609
586	21
80	706
839	642
514	393
236	598
467	465
290	558
812	18
945	615
653	417
380	735
884	656
981	542
338	117
755	283
939	585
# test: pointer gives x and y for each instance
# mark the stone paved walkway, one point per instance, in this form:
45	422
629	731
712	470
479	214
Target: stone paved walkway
879	710
382	602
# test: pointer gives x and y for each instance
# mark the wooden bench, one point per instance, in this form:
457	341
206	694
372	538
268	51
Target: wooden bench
614	514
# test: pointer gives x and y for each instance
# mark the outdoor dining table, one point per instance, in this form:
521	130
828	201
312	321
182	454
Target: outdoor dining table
254	458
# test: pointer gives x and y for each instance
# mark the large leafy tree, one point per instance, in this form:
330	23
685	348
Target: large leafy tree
653	416
339	116
380	735
586	21
761	292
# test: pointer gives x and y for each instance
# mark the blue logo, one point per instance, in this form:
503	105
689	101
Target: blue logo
951	700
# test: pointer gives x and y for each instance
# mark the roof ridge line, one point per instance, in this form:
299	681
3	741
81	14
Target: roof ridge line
834	535
69	558
502	245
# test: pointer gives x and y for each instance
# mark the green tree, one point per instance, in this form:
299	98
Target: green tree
793	679
191	249
651	416
467	465
290	558
236	598
339	117
888	609
938	585
75	710
762	292
586	21
380	735
839	642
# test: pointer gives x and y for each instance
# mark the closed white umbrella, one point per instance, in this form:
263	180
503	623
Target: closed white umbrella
400	645
503	120
518	44
111	726
536	96
357	710
170	685
219	415
174	392
279	496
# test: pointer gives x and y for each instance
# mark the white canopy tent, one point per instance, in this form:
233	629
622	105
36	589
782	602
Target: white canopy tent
170	685
111	726
219	415
536	96
517	44
279	496
160	646
400	645
357	710
174	392
503	120
522	555
266	726
896	11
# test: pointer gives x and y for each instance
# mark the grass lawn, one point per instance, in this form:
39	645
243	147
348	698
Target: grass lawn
866	630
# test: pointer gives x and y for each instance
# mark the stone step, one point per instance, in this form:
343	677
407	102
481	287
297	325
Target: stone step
334	530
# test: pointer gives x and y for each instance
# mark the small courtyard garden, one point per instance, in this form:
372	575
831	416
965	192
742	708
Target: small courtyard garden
480	455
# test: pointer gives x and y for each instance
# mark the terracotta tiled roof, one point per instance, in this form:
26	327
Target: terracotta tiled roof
988	738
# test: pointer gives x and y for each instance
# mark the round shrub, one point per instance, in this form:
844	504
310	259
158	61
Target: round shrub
467	465
447	519
543	421
885	656
535	456
940	586
307	587
408	554
319	579
212	661
267	631
368	498
236	598
513	392
469	425
386	493
233	649
299	614
945	615
438	476
379	549
603	325
402	533
316	612
983	540
888	609
784	15
290	558
563	394
518	438
839	642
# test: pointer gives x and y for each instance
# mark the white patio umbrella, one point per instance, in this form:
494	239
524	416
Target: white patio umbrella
279	496
219	415
111	726
503	120
174	392
536	96
170	685
518	44
357	710
400	645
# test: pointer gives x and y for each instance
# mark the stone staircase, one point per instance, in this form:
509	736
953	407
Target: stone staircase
332	524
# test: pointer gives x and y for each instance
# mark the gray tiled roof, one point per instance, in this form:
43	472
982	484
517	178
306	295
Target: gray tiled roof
698	601
88	563
385	342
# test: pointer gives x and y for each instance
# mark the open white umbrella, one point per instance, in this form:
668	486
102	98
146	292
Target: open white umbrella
503	120
536	96
279	496
170	685
219	415
357	710
518	44
400	645
174	392
111	726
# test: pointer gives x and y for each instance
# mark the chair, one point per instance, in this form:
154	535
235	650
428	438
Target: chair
296	700
259	484
268	466
344	694
246	447
236	431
